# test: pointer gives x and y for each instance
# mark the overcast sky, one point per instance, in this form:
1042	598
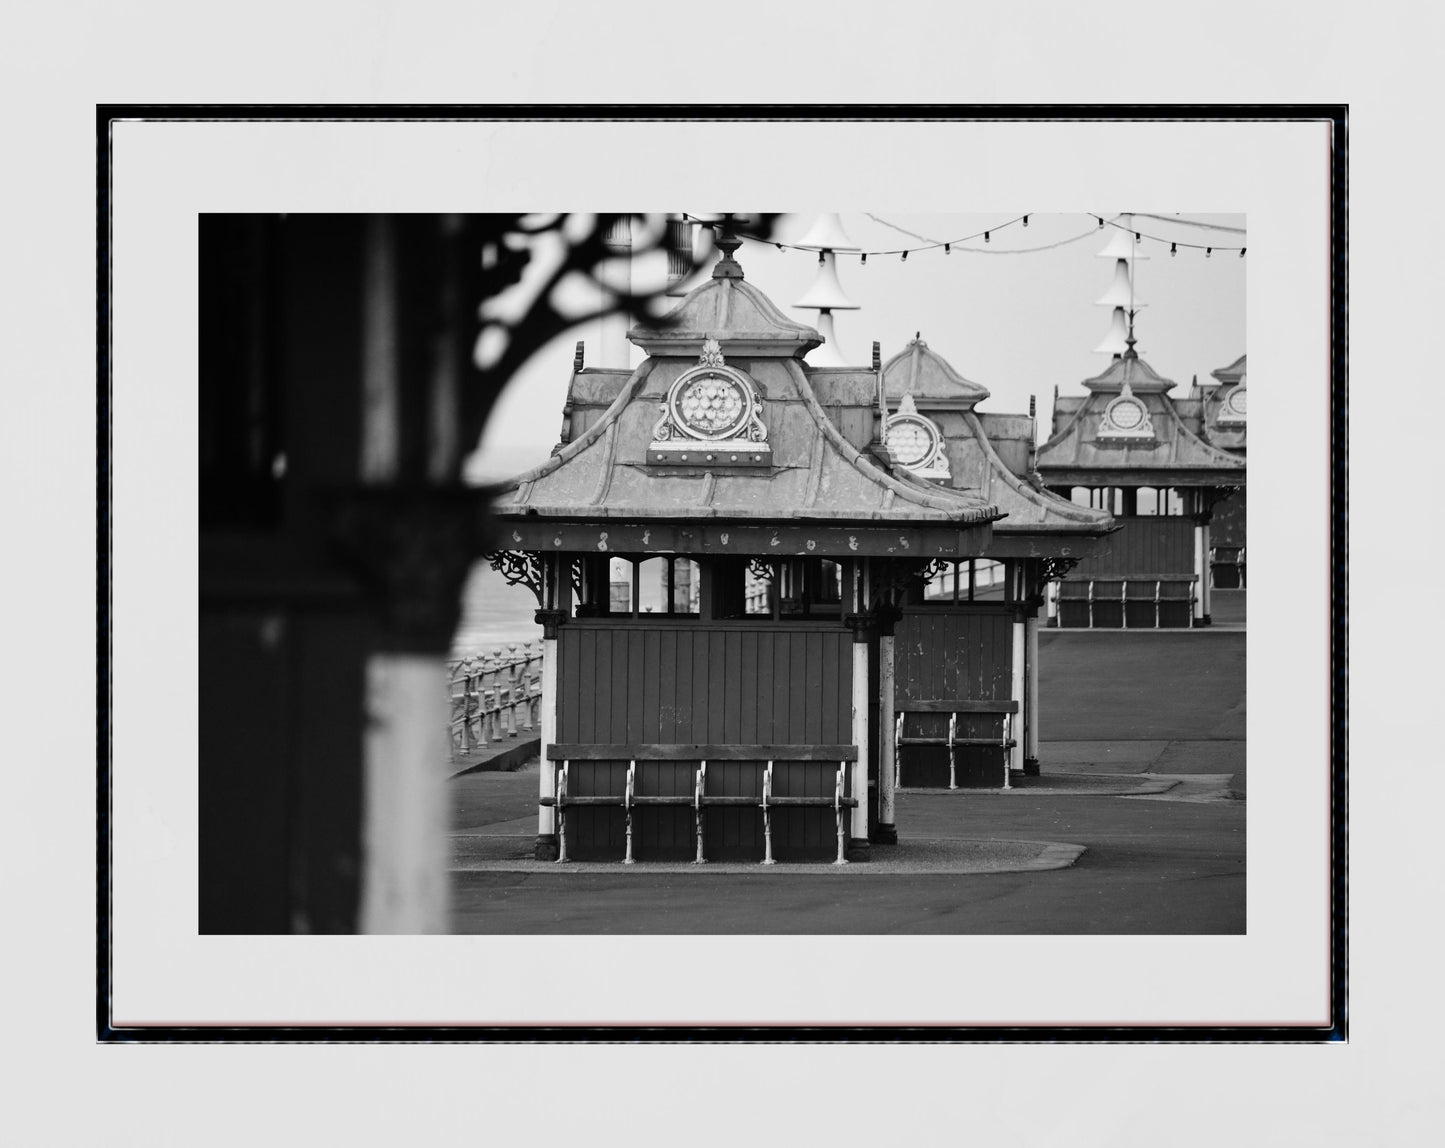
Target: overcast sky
1017	324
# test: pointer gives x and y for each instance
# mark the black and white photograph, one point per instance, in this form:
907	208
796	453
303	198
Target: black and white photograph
738	621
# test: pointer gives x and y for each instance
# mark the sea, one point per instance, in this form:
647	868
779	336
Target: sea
494	614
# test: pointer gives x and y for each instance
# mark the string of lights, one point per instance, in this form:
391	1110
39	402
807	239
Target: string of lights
1174	244
902	252
948	245
986	250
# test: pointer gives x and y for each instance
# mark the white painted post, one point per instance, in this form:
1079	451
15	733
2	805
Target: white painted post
1201	572
1206	591
1031	697
404	841
546	814
859	826
1016	755
887	778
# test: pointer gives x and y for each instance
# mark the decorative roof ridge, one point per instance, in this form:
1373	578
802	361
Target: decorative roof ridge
920	494
588	437
1050	503
1232	460
1063	432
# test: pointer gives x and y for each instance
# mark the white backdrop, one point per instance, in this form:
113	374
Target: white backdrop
59	61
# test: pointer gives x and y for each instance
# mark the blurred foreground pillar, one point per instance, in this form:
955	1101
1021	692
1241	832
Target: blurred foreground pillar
336	352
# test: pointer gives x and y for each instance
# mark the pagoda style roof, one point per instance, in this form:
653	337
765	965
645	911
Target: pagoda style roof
735	312
976	463
1128	428
923	373
1130	369
644	460
1232	373
1220	423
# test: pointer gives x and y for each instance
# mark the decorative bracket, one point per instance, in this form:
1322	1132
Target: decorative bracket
519	568
1057	569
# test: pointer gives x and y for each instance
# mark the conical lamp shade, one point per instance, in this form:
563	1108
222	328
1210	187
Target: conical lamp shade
827	234
828	355
1120	292
1114	342
1121	246
826	293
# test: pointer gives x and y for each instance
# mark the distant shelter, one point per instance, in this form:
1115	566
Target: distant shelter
1223	422
1127	447
971	630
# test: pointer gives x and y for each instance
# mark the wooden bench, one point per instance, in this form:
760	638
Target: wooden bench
953	707
1141	601
560	758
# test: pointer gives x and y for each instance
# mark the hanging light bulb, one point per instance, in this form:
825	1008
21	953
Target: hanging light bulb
1136	237
985	236
1241	252
1173	249
948	249
864	261
905	258
1026	220
1208	251
779	246
822	258
1100	218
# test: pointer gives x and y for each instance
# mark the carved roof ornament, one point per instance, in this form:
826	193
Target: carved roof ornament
1232	410
916	442
1126	419
712	416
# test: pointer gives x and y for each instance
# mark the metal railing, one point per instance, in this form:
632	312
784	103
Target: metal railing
495	696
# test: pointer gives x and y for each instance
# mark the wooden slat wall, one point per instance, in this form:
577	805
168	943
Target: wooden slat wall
953	653
765	683
1144	546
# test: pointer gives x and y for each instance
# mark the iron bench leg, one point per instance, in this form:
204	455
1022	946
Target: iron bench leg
699	788
767	816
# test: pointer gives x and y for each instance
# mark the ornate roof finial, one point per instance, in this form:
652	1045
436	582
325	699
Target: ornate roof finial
1130	353
727	242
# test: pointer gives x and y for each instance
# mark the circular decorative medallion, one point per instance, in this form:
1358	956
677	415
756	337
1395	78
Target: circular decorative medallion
910	441
1126	414
712	403
1236	401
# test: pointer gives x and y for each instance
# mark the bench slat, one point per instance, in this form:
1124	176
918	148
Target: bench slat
678	752
957	706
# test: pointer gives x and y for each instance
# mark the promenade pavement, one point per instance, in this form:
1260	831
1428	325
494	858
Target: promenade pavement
1137	825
